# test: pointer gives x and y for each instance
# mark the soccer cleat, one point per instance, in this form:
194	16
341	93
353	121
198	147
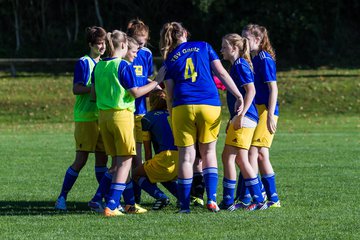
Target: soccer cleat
240	204
186	211
134	209
197	201
120	208
60	204
229	207
160	203
112	213
96	206
212	206
256	206
271	204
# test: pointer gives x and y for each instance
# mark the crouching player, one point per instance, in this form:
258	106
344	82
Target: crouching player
163	166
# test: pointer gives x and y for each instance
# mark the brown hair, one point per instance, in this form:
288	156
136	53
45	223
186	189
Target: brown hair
157	99
136	27
262	33
114	40
235	40
95	34
170	35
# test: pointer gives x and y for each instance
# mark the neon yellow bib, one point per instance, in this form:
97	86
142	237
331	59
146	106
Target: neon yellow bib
109	92
84	109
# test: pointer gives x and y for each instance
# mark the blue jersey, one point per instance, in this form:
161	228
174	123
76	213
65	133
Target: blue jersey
143	66
156	123
265	71
242	74
188	65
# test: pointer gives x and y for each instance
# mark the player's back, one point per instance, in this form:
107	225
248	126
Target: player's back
189	66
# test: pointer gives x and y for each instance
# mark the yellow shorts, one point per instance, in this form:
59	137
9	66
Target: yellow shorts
192	123
117	130
162	167
87	137
240	138
262	137
138	129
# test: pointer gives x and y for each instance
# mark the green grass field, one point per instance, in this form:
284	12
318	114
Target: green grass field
315	155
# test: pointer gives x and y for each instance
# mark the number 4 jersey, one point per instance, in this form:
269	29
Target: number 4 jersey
188	65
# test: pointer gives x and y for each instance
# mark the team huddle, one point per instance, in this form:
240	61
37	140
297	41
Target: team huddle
183	122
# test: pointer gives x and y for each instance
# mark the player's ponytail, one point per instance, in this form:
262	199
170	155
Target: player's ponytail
114	40
170	35
157	100
246	52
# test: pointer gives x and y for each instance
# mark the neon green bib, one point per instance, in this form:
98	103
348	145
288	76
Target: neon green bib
84	109
109	92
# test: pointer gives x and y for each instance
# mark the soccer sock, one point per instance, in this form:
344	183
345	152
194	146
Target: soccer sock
270	187
114	195
137	192
171	186
228	191
211	180
70	178
103	188
100	172
184	187
261	185
243	193
254	188
198	185
151	188
128	194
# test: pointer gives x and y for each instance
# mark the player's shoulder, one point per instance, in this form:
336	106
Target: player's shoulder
265	56
242	64
145	50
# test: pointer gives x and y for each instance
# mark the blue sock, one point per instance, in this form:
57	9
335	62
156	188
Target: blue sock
243	193
261	185
211	180
137	192
184	188
254	188
128	194
228	191
115	194
104	187
151	188
172	187
270	187
69	180
100	172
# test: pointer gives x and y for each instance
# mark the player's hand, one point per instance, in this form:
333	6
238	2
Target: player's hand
271	123
238	121
161	75
239	105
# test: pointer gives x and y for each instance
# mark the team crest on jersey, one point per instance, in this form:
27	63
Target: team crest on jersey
138	70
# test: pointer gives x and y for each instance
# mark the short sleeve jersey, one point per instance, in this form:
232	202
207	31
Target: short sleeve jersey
265	71
143	66
242	74
112	78
84	109
157	124
188	65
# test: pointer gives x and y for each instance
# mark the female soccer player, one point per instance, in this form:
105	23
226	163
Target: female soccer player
143	66
235	49
194	106
263	59
115	90
86	133
163	166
